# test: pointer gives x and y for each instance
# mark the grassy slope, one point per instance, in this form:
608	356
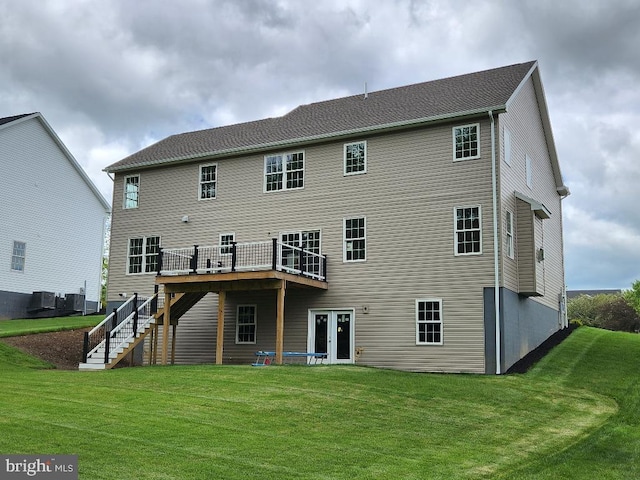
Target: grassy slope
605	363
11	328
333	422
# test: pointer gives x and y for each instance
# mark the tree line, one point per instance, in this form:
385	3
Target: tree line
620	311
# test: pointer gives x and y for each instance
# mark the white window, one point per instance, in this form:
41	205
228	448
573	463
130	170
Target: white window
468	232
283	171
355	158
507	146
131	191
18	256
246	324
528	172
355	239
208	181
466	142
226	240
142	256
429	321
508	233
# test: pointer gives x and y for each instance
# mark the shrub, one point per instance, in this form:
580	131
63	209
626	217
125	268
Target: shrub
609	311
617	314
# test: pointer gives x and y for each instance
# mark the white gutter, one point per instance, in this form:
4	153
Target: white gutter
496	269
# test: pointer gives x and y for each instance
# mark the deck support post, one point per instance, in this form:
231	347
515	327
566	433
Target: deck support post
173	343
280	322
165	329
220	331
151	342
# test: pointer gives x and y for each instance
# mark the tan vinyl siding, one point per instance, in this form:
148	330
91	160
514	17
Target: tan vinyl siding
525	232
408	197
527	138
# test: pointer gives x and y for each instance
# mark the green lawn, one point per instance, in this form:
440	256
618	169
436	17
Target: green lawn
11	328
573	416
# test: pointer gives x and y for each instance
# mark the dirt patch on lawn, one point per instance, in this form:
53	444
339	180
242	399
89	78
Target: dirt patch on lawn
62	349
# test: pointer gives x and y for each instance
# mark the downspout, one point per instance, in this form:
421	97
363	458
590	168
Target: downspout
496	258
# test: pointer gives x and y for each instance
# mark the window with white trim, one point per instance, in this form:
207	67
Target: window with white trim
468	231
429	321
507	146
131	191
508	233
18	256
355	158
284	171
528	172
466	142
208	181
226	239
355	239
142	256
246	324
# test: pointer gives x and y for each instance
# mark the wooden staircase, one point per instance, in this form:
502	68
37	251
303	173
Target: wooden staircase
128	326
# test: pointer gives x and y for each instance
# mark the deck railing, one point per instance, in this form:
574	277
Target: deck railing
243	257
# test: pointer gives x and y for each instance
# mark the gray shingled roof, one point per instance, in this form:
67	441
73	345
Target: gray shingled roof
422	102
15	117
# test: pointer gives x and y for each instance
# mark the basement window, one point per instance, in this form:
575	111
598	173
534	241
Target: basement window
429	321
246	324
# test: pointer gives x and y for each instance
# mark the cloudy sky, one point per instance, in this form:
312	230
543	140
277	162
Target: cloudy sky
113	76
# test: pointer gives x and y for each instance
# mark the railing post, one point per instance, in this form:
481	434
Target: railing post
301	261
154	302
135	315
194	259
107	347
85	347
274	254
324	267
114	320
234	255
160	255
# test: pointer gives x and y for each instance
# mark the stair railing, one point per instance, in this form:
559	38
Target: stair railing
127	330
99	335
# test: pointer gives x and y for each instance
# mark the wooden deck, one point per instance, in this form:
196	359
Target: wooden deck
221	283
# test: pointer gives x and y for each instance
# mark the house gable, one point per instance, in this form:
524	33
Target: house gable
53	211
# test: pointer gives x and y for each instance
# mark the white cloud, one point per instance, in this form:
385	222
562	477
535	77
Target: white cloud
113	77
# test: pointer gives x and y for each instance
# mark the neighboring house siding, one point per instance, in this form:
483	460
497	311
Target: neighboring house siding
408	196
527	138
45	203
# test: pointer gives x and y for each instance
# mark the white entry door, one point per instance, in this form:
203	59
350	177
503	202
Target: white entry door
331	332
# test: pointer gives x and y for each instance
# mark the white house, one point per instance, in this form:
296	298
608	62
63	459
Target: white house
52	220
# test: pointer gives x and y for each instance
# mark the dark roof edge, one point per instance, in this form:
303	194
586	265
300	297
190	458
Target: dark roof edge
18	118
311	139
